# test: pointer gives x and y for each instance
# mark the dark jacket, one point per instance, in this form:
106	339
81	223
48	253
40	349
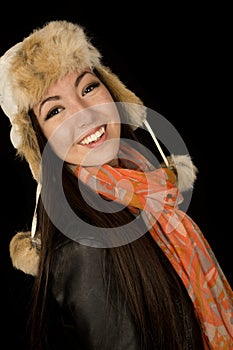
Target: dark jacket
88	321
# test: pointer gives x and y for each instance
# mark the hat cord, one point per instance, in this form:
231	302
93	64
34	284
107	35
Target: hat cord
156	142
34	219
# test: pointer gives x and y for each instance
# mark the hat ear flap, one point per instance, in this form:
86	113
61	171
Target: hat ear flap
132	103
120	91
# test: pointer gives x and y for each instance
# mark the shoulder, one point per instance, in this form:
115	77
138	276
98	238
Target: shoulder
70	253
80	291
77	276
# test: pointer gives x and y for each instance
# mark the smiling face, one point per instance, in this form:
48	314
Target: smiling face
80	120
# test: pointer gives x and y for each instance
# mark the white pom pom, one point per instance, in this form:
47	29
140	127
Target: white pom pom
186	171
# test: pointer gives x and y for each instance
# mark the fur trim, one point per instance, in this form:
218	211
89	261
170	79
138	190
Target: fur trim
185	169
24	253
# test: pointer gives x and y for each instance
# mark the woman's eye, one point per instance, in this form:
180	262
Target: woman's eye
53	112
90	87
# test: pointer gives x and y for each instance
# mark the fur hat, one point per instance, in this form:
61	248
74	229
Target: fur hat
27	70
31	66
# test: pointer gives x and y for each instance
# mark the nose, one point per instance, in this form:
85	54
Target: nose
80	111
84	117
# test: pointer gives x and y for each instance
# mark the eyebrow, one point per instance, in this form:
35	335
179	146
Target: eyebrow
56	97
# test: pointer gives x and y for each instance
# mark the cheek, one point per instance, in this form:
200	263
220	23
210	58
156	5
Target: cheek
61	140
105	97
114	131
118	131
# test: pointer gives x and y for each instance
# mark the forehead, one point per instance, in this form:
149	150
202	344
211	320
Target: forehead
69	78
60	87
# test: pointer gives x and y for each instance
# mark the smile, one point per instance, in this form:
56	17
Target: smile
93	137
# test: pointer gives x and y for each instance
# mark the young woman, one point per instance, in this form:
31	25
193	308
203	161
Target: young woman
117	264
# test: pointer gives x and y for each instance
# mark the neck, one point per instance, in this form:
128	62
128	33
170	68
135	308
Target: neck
114	162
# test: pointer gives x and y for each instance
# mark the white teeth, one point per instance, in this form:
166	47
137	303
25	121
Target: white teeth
93	137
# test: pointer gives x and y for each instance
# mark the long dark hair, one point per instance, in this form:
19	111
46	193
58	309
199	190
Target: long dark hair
138	271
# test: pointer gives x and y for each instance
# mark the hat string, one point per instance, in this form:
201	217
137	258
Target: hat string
156	142
34	219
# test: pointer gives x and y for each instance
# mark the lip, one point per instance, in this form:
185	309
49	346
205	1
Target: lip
90	132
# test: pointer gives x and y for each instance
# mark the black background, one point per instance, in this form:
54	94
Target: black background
177	59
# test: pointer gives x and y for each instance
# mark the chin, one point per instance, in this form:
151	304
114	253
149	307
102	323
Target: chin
99	160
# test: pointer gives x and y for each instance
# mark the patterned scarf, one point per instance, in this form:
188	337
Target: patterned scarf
138	185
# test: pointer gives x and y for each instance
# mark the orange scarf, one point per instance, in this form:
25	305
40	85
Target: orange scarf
154	193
